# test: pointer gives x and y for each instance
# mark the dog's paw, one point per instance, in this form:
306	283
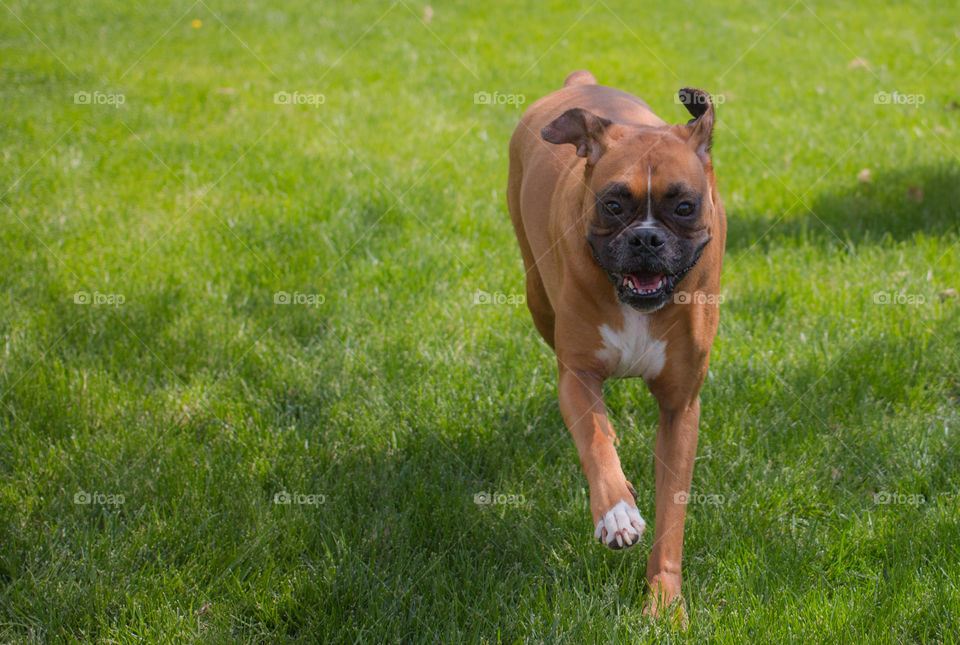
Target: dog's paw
620	527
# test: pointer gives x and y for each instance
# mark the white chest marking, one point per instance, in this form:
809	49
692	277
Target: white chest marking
631	351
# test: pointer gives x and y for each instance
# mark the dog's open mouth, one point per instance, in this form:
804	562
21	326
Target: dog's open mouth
645	291
649	290
643	285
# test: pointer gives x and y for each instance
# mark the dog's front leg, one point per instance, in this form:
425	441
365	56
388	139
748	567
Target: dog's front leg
675	450
617	522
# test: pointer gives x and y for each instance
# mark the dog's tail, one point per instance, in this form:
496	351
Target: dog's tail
580	77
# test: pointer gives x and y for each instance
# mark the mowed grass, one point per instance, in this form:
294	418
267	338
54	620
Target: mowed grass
826	486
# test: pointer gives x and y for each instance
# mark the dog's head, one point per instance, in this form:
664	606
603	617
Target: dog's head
649	207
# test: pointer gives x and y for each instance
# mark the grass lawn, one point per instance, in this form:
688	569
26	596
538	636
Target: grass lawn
242	244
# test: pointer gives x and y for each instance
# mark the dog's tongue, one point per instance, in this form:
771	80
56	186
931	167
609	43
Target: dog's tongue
645	283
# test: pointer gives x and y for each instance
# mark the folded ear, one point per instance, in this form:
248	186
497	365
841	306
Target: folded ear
582	128
700	127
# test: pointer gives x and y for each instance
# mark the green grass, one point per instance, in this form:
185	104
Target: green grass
199	399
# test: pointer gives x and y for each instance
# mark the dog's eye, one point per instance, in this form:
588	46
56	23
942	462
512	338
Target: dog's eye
685	209
614	208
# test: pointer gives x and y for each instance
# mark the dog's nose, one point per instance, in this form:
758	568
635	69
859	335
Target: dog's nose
646	238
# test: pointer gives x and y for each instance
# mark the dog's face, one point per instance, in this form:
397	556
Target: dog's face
649	209
650	216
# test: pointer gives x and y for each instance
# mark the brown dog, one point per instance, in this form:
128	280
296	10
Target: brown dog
609	228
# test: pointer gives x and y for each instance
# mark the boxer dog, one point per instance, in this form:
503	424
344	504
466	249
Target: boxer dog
622	234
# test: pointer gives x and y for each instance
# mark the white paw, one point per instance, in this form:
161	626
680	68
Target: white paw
620	527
